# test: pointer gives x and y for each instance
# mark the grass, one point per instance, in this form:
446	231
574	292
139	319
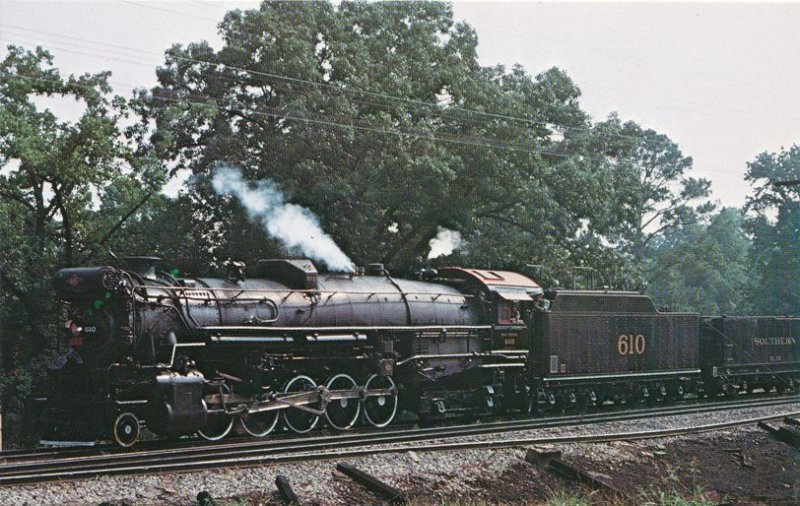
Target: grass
563	498
672	497
695	497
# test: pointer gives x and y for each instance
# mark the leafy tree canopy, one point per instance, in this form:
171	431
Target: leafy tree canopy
774	222
703	266
372	115
61	183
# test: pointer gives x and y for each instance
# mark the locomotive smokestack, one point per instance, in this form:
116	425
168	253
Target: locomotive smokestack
143	266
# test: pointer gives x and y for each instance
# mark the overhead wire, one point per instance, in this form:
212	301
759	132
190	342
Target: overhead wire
450	109
356	124
158	8
316	119
312	120
308	117
592	48
237	80
307	82
470	140
436	108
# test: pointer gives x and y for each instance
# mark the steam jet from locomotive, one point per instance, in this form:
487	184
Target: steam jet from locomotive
283	345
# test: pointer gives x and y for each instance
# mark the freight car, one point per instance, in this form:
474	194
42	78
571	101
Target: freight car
744	353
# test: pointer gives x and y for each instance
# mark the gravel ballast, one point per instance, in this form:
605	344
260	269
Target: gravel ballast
461	473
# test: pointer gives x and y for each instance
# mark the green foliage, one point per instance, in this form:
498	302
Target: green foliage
563	498
653	193
306	103
53	174
382	173
774	222
695	497
702	266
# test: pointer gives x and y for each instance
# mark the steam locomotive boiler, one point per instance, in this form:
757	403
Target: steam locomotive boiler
281	345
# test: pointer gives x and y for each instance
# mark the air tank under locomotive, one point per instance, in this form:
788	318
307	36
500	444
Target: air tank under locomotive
280	342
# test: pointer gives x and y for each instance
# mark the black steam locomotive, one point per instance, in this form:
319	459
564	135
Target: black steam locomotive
283	345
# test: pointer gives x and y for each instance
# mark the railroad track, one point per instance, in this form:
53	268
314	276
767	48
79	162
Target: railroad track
34	467
13	456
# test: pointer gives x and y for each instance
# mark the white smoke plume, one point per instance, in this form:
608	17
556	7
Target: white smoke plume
295	226
445	242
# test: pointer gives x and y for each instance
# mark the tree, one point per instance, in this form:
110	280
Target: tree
53	174
703	266
306	103
774	221
654	193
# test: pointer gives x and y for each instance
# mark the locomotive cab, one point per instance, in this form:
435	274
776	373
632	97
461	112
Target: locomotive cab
505	301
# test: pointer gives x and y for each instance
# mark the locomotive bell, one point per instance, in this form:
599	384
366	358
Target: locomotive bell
235	271
376	269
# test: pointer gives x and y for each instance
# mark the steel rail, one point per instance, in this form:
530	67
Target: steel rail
253	453
9	457
169	447
306	454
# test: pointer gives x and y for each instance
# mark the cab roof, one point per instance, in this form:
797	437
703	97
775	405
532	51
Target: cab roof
506	284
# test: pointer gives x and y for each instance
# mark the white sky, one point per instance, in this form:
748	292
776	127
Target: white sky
722	80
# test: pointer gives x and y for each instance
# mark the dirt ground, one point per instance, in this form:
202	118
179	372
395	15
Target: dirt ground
741	466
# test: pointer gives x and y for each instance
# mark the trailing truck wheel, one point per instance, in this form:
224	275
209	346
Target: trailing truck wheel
260	424
380	409
126	430
342	414
217	426
713	389
295	418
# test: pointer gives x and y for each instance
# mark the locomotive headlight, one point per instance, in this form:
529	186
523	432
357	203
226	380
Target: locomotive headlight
75	333
75	329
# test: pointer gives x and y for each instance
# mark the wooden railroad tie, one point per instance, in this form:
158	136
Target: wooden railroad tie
556	464
540	458
783	434
205	499
376	486
288	496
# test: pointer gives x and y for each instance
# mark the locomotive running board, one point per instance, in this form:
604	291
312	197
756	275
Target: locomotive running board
243	328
